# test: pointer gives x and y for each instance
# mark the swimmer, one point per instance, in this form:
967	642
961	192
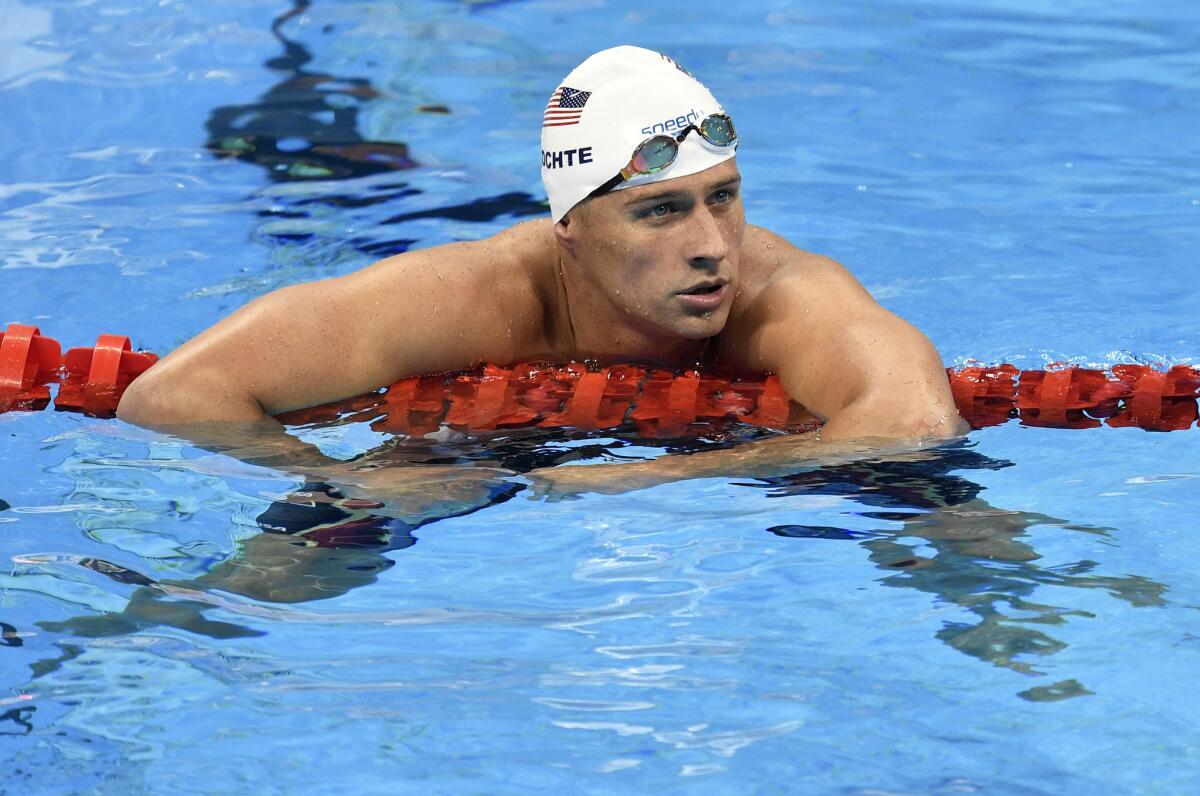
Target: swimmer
646	257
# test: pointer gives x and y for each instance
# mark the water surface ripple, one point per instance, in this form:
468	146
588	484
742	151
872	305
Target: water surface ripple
1013	614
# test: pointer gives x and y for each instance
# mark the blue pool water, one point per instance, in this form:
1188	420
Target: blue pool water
1015	614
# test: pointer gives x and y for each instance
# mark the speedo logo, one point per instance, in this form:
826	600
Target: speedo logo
669	125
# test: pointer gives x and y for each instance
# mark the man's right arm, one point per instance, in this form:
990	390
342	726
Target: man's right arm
426	311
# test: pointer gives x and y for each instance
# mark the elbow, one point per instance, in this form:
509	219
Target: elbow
161	398
139	403
875	418
915	404
934	423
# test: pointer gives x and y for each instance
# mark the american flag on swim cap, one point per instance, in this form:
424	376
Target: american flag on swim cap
565	107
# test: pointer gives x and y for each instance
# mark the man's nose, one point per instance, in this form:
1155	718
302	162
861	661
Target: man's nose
706	242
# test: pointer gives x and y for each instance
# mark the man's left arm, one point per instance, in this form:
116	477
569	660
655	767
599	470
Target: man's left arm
866	372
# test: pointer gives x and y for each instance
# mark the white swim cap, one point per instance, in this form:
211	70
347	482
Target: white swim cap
609	104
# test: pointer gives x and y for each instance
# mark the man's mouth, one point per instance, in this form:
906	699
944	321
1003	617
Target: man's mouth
706	296
704	288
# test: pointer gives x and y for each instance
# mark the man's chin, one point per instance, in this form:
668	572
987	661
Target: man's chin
701	327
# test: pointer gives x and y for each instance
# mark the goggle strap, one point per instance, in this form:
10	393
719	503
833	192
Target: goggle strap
608	186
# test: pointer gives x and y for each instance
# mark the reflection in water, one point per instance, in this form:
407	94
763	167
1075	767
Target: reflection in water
979	563
316	544
20	717
305	128
9	637
525	449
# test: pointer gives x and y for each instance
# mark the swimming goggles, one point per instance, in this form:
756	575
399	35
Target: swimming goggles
657	152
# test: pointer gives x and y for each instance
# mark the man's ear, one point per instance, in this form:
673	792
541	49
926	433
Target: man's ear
566	233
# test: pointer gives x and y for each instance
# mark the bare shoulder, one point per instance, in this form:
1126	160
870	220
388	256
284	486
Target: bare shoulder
425	311
505	265
807	319
492	292
776	275
780	282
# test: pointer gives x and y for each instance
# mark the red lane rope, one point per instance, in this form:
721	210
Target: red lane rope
28	362
91	380
661	403
658	402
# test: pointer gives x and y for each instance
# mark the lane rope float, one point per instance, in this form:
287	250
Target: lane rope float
658	402
91	380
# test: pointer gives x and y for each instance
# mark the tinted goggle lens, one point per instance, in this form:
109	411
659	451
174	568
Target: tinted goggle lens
718	130
654	155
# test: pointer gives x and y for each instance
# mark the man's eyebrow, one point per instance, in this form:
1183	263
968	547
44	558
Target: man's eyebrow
656	198
675	196
732	182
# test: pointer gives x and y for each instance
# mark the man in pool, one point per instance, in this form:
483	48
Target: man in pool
647	256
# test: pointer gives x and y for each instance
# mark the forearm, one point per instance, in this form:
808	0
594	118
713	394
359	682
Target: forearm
767	457
225	421
264	443
764	458
409	492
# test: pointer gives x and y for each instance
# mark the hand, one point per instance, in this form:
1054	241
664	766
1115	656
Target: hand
977	529
417	492
558	483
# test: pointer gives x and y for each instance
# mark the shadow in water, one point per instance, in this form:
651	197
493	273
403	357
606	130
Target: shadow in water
982	560
20	717
305	128
315	544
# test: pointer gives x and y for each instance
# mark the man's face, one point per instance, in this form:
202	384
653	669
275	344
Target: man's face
665	255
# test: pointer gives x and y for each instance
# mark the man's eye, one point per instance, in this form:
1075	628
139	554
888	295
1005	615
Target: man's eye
722	196
658	211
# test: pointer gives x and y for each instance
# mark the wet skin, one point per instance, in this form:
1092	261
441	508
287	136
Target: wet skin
612	279
668	273
659	263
